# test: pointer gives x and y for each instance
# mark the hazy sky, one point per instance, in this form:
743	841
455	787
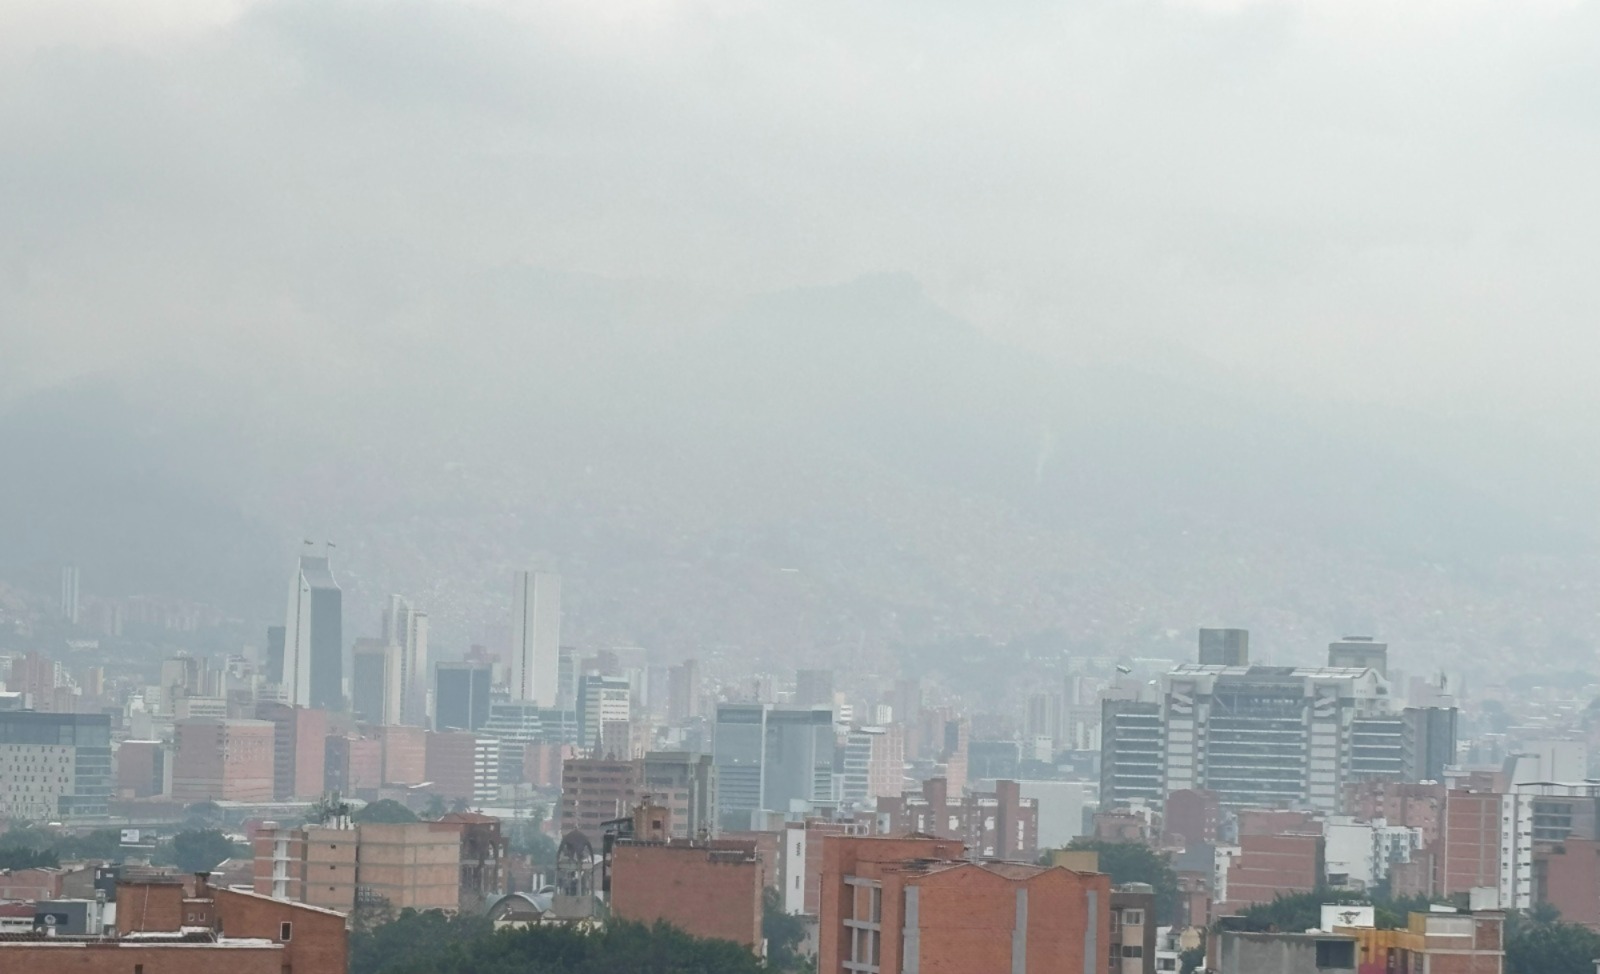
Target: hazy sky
1385	200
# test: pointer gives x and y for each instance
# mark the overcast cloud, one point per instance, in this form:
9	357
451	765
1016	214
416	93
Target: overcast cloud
1387	201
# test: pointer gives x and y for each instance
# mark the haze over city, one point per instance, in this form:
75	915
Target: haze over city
979	348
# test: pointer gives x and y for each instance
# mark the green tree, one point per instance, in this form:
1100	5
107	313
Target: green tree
436	807
385	812
431	943
784	933
18	858
1541	944
1135	862
197	851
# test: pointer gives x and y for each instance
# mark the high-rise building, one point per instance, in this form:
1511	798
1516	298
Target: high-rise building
1225	647
376	688
464	766
407	629
413	865
69	595
602	700
313	649
771	758
997	825
275	643
683	693
461	696
1360	652
299	750
536	637
873	765
813	688
1261	736
76	748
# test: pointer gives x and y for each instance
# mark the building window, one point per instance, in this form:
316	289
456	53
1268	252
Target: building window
1336	953
1133	918
285	931
1132	950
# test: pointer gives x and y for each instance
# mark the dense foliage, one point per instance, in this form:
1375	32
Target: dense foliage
385	812
785	935
197	850
1135	862
432	943
1539	943
22	840
1303	911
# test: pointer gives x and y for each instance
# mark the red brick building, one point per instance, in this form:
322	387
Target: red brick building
141	769
1002	825
595	791
1191	818
1566	875
164	928
709	891
1468	851
222	760
353	766
1268	865
405	755
894	904
1414	805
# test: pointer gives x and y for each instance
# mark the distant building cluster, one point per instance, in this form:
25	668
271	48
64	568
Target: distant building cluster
898	818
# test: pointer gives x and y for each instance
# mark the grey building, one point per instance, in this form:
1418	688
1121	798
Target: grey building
1285	953
686	783
1225	647
1266	736
461	696
813	688
1360	652
771	758
76	748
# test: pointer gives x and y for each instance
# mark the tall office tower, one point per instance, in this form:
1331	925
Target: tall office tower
461	696
683	690
1429	743
813	688
1257	736
1225	647
567	665
69	595
601	700
313	648
376	692
535	637
873	760
407	628
771	758
1360	652
275	641
76	748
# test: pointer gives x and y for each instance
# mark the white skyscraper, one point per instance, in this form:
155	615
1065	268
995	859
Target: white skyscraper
313	646
407	628
535	637
69	594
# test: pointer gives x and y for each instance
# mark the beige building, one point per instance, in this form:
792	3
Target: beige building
222	760
416	865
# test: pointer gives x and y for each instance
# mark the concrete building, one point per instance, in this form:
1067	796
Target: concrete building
1434	943
686	784
1191	818
683	691
873	763
535	637
1240	952
313	649
1060	806
143	769
1225	647
413	865
461	696
1468	855
1133	930
376	687
353	765
69	595
163	928
595	791
913	904
406	629
771	758
1361	853
1265	736
223	760
463	766
405	755
299	750
1001	825
813	688
1359	652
